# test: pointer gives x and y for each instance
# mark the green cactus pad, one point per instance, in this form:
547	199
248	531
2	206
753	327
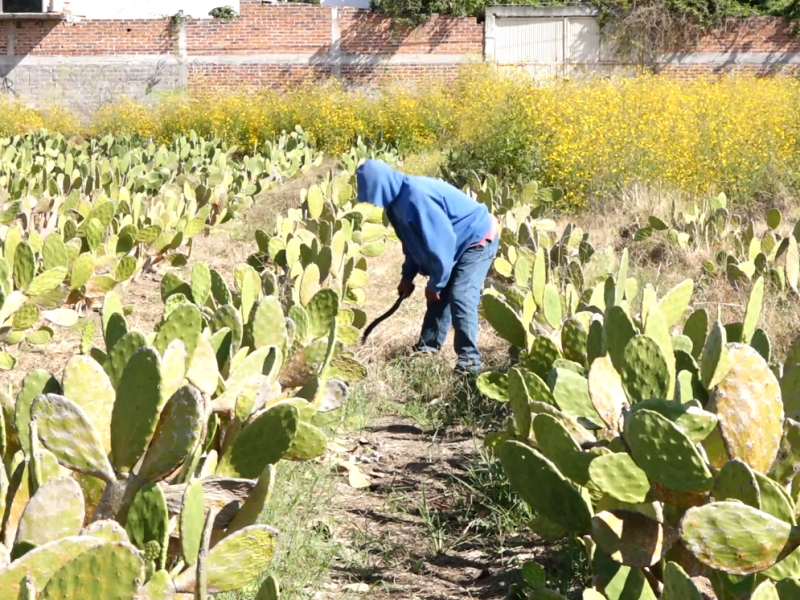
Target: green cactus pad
530	473
574	335
504	321
606	391
753	311
619	330
235	562
54	252
268	324
106	530
618	476
787	462
645	373
87	575
201	283
665	453
203	370
250	512
119	356
749	407
736	538
656	328
148	520
228	316
557	445
762	344
55	511
675	302
678	585
736	481
714	361
261	443
551	307
788	589
571	394
765	591
494	385
42	563
180	426
86	384
543	353
65	430
24	266
299	317
191	521
309	443
321	310
619	582
183	323
269	590
135	413
35	383
695	422
775	500
631	538
519	398
578	432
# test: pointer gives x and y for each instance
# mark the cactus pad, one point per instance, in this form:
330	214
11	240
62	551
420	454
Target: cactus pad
119	356
675	302
309	443
753	311
571	394
183	323
645	373
201	283
180	426
519	397
135	413
665	453
618	476
106	530
250	512
574	335
269	325
191	521
65	430
321	310
228	316
88	575
203	370
619	330
787	462
236	561
678	585
631	538
263	442
695	422
714	361
55	511
736	538
543	353
35	383
86	384
530	473
736	481
749	407
606	391
557	445
148	520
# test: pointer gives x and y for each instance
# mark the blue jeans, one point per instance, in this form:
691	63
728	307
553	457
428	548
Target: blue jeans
458	305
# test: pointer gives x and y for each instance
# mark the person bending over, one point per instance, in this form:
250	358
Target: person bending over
447	237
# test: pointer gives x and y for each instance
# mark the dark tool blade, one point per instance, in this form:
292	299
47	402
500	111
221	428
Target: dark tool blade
382	318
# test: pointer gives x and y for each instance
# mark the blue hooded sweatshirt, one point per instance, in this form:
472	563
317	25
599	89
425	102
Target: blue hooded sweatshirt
435	221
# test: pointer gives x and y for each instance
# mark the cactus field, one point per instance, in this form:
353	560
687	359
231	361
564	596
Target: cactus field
169	356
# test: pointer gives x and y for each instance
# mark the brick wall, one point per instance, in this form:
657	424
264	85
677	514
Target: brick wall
89	62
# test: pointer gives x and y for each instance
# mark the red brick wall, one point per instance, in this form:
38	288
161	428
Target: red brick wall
263	29
364	32
756	34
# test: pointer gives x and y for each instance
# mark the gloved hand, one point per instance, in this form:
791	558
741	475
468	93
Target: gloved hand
405	289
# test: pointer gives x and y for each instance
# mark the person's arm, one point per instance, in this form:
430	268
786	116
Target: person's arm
437	241
410	269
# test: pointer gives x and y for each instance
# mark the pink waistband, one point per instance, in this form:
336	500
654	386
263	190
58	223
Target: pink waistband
489	236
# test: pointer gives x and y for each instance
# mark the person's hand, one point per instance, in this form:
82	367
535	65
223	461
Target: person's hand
405	289
432	296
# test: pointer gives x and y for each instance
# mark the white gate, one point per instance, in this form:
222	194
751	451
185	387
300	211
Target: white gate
545	41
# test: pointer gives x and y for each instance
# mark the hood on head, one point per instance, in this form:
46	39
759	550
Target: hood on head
378	183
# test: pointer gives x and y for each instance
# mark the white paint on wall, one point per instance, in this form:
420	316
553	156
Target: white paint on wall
346	3
145	9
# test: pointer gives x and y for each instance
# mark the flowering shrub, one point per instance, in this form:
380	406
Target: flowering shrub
740	135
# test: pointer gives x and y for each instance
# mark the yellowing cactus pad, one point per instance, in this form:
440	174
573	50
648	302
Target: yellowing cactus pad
749	408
